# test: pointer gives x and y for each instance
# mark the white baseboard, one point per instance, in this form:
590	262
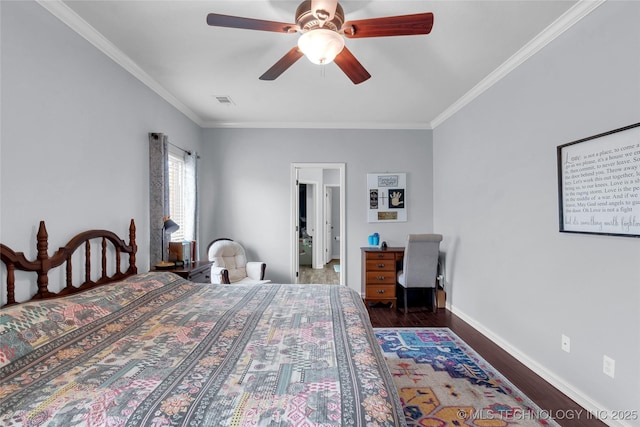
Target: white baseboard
576	395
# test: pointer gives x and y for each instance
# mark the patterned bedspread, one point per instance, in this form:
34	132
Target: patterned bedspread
156	350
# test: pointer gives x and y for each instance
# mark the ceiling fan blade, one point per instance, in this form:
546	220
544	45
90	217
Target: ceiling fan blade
217	20
404	25
283	64
351	66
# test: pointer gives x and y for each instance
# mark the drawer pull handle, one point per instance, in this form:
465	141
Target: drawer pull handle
381	291
380	277
381	265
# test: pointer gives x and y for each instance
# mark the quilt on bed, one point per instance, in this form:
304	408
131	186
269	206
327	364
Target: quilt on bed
156	350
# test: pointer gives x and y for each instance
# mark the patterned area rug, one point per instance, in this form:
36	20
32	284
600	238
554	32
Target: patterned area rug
444	382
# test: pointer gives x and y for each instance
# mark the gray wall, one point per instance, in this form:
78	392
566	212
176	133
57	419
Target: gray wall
74	139
246	193
74	147
510	272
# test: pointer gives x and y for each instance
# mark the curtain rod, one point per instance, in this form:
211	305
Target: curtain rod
189	152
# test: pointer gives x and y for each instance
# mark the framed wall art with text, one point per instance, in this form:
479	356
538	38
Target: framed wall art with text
599	183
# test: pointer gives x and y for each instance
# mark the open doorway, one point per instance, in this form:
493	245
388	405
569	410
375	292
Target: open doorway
318	215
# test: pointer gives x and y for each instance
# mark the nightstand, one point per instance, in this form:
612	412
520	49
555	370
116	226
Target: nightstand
199	271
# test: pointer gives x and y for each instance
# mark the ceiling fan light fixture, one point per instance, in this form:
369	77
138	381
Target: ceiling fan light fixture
321	46
323	10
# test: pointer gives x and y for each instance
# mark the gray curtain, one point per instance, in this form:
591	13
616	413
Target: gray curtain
158	194
191	199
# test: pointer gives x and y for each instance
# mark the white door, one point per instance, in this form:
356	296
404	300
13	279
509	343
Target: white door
328	224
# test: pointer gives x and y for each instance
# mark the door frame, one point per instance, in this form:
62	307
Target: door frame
295	204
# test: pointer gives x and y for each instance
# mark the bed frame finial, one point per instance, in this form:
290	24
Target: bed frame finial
43	246
132	242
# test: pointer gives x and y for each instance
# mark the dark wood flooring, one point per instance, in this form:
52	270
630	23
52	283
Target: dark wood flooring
565	411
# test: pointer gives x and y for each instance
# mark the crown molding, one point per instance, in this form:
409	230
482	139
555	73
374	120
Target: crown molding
65	14
316	125
546	36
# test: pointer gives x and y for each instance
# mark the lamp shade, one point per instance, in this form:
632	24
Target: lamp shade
321	46
170	226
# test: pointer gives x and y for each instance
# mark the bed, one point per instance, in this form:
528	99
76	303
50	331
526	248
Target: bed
152	349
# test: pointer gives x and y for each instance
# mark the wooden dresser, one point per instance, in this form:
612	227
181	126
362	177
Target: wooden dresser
379	268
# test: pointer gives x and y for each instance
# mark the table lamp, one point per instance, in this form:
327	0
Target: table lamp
169	226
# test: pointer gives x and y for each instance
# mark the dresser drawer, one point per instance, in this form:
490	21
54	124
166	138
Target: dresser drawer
381	278
381	291
201	276
381	265
380	255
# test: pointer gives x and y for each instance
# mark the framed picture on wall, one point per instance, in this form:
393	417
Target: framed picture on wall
386	195
599	183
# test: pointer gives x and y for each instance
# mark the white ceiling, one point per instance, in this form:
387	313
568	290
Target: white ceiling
417	81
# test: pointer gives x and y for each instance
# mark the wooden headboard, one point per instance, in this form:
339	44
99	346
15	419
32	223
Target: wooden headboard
43	262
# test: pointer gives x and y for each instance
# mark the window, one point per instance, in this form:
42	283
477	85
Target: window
177	194
173	191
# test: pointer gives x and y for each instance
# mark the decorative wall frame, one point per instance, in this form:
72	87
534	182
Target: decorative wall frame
386	197
599	183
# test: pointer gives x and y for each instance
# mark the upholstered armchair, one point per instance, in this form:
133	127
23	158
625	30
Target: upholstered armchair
230	264
420	265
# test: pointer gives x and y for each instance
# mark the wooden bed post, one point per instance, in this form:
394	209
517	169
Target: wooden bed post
132	243
43	260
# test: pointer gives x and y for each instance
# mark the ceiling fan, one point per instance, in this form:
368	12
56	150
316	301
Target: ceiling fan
322	27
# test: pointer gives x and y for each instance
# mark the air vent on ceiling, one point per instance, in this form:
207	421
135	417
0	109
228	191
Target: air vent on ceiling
225	100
